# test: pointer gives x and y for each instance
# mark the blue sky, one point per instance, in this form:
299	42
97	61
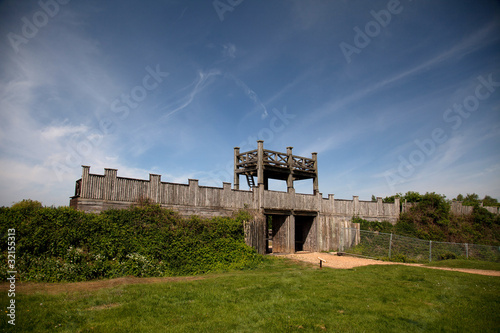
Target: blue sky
395	96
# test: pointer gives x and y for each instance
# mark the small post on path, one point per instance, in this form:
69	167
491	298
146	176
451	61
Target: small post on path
321	262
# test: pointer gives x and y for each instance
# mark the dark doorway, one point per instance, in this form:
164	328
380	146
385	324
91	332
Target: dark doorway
303	226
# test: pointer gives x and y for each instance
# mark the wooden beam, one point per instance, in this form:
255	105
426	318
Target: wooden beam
260	162
236	175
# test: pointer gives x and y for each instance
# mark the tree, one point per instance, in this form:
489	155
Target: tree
392	198
411	196
471	200
27	204
489	201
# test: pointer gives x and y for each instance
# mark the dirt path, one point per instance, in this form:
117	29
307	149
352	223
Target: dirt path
347	262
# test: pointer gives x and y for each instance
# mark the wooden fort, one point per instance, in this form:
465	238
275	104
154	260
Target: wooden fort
298	222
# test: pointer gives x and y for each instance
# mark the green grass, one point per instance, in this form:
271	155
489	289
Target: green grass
279	296
463	263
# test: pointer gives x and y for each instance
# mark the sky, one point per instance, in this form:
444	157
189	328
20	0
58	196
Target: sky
394	96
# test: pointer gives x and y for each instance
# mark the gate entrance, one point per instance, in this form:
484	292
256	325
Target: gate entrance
287	233
303	238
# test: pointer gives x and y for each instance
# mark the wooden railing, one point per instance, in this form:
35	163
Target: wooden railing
273	158
248	159
302	163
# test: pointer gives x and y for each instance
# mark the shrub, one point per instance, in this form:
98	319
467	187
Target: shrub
383	226
61	244
399	258
447	255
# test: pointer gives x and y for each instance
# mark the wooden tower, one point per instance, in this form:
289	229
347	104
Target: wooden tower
267	164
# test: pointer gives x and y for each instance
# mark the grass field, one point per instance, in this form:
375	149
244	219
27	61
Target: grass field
279	296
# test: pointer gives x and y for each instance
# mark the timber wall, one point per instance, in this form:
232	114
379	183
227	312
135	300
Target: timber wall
456	208
327	216
101	192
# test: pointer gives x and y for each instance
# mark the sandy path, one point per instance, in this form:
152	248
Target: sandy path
347	262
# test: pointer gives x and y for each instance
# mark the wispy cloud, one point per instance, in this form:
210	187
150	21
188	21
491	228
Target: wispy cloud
229	50
50	92
471	43
293	84
250	94
57	132
442	162
204	78
57	89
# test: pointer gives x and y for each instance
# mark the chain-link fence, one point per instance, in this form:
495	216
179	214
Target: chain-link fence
400	248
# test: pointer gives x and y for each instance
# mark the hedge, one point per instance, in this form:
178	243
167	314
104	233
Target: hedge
62	244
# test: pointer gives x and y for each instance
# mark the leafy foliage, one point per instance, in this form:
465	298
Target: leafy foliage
27	204
383	226
410	196
62	244
430	218
473	200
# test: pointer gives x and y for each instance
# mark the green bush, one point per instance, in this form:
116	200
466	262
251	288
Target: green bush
430	218
383	226
447	255
62	244
399	258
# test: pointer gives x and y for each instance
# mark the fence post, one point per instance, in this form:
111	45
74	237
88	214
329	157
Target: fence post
467	250
430	251
390	246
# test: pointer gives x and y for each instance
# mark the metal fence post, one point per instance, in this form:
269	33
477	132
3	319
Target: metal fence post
430	251
467	250
390	246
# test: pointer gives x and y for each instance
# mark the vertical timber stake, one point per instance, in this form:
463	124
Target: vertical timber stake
390	246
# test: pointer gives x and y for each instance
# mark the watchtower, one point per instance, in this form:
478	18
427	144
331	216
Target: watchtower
267	164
